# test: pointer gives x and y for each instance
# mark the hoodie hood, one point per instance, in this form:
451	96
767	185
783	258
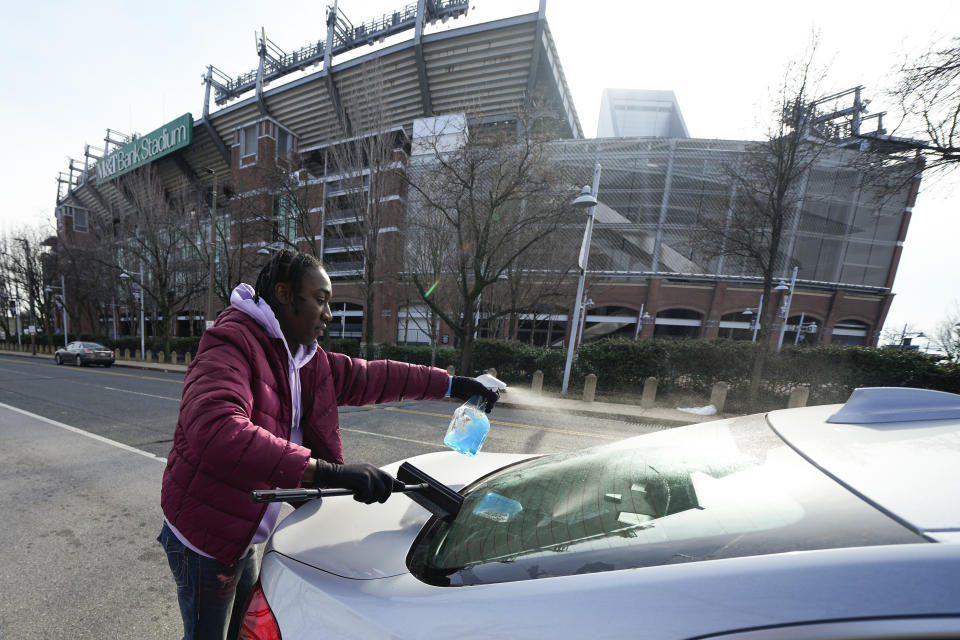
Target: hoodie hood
242	298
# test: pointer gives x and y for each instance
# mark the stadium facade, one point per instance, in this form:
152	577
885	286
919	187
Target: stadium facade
648	274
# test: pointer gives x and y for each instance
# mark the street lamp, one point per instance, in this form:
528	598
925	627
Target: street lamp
139	282
909	334
63	303
270	249
756	320
586	200
785	310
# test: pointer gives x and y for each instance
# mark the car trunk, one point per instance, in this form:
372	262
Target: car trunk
349	539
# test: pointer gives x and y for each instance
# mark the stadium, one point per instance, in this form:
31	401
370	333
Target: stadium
264	166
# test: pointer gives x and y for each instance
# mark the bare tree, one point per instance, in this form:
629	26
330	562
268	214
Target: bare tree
159	236
485	199
946	334
368	165
22	264
769	183
929	94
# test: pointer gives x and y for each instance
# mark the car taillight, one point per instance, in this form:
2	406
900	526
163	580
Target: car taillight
258	621
87	351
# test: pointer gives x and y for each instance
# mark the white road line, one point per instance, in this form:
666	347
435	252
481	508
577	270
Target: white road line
143	394
81	432
383	435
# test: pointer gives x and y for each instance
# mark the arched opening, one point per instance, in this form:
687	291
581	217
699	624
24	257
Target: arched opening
677	323
850	332
738	325
609	322
801	330
347	320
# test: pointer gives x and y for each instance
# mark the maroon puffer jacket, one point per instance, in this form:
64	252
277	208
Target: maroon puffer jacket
234	424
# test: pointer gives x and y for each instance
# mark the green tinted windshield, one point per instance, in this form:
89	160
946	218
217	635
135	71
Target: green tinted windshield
720	489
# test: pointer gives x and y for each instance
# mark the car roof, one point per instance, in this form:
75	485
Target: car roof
909	468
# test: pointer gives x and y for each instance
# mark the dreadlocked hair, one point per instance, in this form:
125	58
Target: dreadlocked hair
288	267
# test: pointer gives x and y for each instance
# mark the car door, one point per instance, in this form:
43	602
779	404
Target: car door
73	351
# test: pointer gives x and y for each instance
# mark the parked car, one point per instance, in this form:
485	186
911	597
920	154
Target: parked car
84	353
835	521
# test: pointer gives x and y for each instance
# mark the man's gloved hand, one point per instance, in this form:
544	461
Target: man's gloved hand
368	483
465	388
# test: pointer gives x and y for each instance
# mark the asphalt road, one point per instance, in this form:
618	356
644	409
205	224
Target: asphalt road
81	457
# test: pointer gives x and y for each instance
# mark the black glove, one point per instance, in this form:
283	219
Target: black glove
368	483
465	388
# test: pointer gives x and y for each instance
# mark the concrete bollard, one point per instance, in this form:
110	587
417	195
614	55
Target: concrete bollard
116	354
537	385
149	356
451	371
798	397
136	354
649	392
590	387
126	354
161	358
174	357
718	395
186	358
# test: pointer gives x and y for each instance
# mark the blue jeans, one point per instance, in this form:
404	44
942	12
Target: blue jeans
212	595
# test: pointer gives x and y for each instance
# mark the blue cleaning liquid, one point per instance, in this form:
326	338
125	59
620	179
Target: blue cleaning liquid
468	428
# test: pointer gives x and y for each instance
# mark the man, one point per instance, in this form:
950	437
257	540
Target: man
259	411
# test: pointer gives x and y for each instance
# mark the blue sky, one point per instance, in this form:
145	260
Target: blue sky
75	69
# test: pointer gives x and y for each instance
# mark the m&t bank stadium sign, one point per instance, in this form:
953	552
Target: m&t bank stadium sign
174	135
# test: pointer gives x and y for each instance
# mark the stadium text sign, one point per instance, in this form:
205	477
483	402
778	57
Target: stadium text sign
174	135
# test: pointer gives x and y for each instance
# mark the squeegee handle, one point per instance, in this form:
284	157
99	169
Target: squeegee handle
297	495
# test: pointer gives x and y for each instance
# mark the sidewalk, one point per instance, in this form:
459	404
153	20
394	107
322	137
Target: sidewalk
608	410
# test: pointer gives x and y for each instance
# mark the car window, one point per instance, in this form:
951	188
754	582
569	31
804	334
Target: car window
94	345
717	490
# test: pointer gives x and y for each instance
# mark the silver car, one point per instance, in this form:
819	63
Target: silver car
84	353
822	522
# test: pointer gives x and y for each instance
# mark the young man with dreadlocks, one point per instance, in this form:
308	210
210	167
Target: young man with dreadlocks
259	411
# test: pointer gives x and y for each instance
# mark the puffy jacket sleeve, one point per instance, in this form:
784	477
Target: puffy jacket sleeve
215	417
359	382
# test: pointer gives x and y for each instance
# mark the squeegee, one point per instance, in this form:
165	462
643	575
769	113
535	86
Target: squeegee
429	493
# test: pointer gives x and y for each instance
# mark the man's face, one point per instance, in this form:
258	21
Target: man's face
313	308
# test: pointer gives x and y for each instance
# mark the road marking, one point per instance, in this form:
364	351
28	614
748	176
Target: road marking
516	425
101	372
139	393
81	432
384	435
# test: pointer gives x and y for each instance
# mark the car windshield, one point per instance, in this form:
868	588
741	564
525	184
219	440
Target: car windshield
723	489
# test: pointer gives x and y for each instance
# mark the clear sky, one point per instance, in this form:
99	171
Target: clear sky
76	69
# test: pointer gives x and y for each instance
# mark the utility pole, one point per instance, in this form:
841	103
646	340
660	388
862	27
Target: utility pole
213	252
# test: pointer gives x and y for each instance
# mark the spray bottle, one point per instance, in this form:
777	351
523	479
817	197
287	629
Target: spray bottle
469	426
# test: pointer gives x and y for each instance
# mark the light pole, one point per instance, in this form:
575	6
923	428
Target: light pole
63	304
912	334
785	312
756	320
586	200
139	282
213	250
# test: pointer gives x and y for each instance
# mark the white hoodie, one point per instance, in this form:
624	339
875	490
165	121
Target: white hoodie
242	299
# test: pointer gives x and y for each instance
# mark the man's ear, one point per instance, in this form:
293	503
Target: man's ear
281	293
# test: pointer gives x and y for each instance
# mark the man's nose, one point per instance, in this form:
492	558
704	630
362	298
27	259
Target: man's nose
326	313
